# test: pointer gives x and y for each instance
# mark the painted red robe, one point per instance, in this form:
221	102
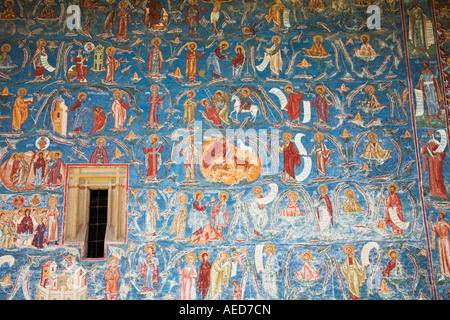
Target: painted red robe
153	153
435	169
392	201
293	105
291	159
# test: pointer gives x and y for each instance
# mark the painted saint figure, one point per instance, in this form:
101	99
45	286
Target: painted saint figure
293	106
441	228
432	162
53	214
189	106
178	227
393	214
99	155
322	153
80	67
204	275
188	275
291	157
20	110
119	110
153	155
220	275
155	101
112	64
151	209
149	268
219	214
155	58
275	59
374	151
269	275
190	153
324	213
112	276
191	62
215	58
428	83
323	105
353	272
191	18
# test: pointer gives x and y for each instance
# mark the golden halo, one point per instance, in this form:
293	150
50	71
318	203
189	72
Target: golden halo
203	102
22	91
276	38
287	134
369	87
349	247
292	194
151	192
41	41
348	192
101	139
192	92
257	188
58	153
110	50
153	136
245	91
288	87
113	259
123	4
236	49
306	253
15	154
156	40
364	36
391	251
192	43
317	37
322	188
246	30
190	255
218	92
81	94
182	198
198	193
223	251
6	45
117	93
200	256
318	136
393	185
372	134
225	44
269	246
320	87
154	88
150	246
51	199
223	194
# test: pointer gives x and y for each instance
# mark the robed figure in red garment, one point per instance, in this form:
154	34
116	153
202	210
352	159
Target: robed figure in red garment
153	154
294	103
434	161
204	273
393	206
291	157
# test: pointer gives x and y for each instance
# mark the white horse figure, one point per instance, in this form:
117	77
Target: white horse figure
237	105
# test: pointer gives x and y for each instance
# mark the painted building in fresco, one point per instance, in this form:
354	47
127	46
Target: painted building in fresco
280	149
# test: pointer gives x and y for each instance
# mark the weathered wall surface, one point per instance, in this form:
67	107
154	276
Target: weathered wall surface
274	150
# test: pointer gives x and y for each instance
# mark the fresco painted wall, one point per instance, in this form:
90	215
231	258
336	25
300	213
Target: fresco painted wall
275	149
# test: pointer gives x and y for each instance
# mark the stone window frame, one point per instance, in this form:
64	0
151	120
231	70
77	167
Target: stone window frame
81	178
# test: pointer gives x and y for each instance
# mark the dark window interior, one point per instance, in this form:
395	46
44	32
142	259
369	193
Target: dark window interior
98	213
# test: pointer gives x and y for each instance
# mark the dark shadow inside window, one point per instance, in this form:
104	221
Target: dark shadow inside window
98	217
